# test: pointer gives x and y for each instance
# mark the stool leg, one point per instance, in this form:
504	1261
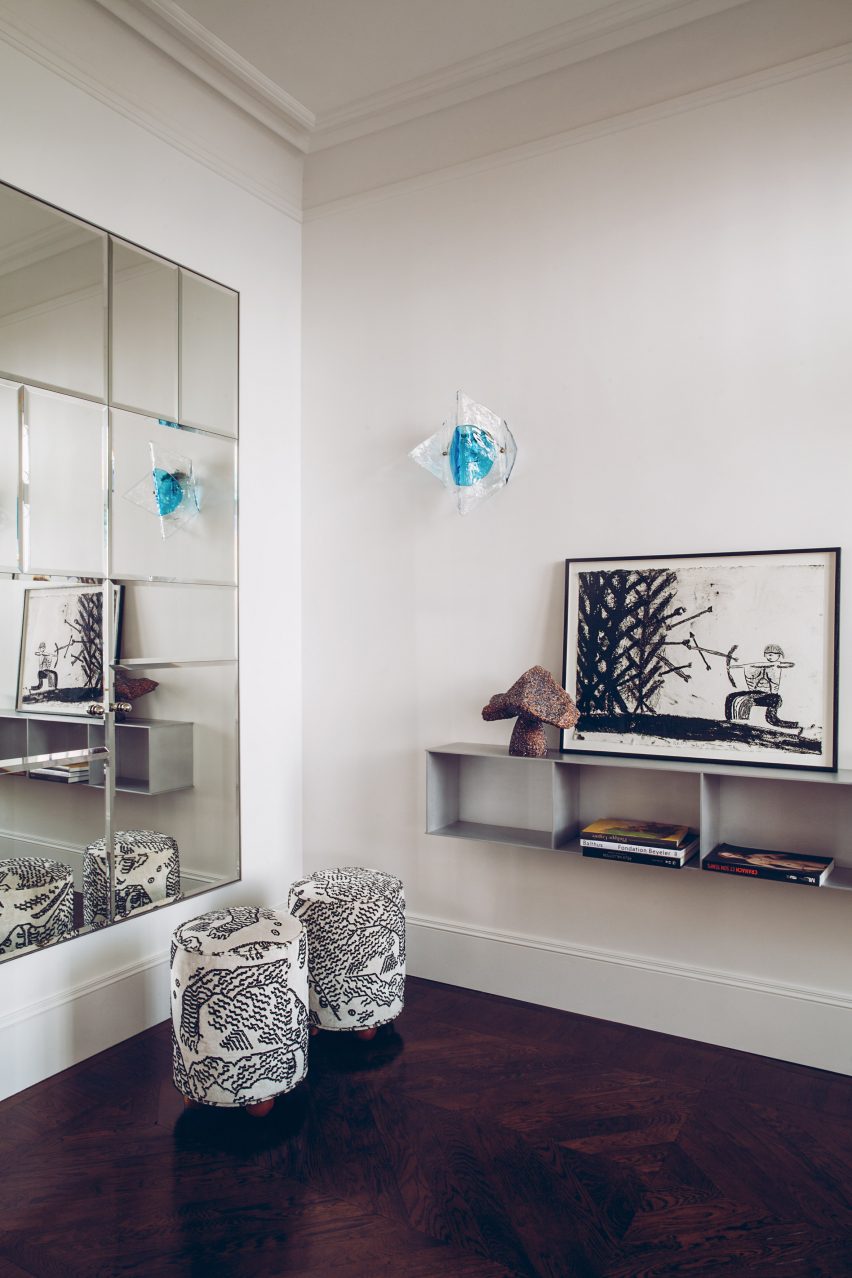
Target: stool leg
189	1103
367	1034
261	1109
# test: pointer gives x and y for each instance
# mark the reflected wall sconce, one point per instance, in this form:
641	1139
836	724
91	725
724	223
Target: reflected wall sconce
169	490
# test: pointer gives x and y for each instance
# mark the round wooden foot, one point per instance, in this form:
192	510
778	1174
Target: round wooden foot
367	1034
261	1109
315	1029
189	1103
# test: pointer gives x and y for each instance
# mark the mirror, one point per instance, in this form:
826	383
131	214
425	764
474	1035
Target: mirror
118	794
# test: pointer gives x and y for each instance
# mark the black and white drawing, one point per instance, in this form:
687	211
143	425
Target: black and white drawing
730	657
61	663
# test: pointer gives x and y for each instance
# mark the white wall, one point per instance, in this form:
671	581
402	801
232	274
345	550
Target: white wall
220	213
661	312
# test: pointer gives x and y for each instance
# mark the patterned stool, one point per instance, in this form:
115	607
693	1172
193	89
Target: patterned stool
36	903
147	872
355	919
239	1007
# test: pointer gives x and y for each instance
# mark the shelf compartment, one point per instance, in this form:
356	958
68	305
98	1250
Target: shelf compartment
497	798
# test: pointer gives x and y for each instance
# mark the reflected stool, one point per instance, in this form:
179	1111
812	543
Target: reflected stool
355	920
239	982
147	873
36	903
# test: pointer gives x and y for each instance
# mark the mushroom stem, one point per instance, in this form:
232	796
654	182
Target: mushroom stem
528	739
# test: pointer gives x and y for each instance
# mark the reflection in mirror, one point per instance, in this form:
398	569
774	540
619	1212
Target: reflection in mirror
65	446
175	810
114	799
186	528
47	811
208	355
52	297
144	357
9	396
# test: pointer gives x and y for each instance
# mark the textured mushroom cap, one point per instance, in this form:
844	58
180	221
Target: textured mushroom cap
536	695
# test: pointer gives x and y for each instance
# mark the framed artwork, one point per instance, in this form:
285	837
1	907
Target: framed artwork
61	664
725	657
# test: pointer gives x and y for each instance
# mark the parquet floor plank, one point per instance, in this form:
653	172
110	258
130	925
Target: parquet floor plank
482	1138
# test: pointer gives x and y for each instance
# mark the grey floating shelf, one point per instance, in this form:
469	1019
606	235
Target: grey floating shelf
481	792
153	756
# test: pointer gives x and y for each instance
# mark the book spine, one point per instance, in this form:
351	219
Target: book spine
764	872
638	842
644	848
612	854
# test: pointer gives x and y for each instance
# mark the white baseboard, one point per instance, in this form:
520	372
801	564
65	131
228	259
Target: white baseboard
809	1026
68	1027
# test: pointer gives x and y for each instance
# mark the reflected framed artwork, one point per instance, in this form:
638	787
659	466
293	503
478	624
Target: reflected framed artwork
720	657
61	662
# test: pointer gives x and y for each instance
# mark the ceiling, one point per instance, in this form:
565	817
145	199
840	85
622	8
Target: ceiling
319	72
331	53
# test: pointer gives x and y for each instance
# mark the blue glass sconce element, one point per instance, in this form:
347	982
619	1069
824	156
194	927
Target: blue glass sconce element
472	455
169	490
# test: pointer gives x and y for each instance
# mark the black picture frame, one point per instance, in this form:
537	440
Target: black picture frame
60	667
726	657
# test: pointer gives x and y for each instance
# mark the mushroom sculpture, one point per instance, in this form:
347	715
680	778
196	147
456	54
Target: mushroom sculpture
536	698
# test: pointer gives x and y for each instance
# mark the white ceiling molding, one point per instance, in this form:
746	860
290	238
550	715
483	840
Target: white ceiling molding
176	33
194	46
811	64
576	40
50	53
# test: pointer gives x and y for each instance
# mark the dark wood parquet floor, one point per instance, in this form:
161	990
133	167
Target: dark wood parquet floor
482	1138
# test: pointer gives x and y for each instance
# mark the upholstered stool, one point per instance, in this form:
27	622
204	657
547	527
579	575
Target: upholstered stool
355	919
239	1007
147	872
36	903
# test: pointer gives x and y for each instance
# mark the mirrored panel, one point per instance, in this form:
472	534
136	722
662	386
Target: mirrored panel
208	355
144	315
119	771
48	811
65	449
52	297
174	502
9	475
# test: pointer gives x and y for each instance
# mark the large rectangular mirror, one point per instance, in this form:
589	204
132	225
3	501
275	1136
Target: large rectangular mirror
119	772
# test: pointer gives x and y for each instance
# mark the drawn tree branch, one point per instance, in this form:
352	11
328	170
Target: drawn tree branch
86	644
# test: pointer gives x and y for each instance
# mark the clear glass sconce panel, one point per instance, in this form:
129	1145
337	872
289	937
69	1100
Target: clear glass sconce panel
160	474
64	501
52	297
9	395
208	355
144	331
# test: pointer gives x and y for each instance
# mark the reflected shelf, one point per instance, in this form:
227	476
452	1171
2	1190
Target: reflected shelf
157	663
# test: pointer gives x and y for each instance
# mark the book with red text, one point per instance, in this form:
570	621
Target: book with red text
761	863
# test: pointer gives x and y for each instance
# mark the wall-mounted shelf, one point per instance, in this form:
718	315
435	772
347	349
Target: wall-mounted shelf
482	792
153	756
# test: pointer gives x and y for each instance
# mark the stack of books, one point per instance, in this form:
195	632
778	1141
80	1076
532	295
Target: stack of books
648	842
758	863
78	770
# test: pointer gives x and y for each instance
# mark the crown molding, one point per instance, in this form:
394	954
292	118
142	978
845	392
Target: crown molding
570	42
50	53
754	82
166	25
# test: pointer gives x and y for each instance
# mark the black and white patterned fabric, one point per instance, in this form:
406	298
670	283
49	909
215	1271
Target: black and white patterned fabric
239	981
36	903
147	873
355	919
